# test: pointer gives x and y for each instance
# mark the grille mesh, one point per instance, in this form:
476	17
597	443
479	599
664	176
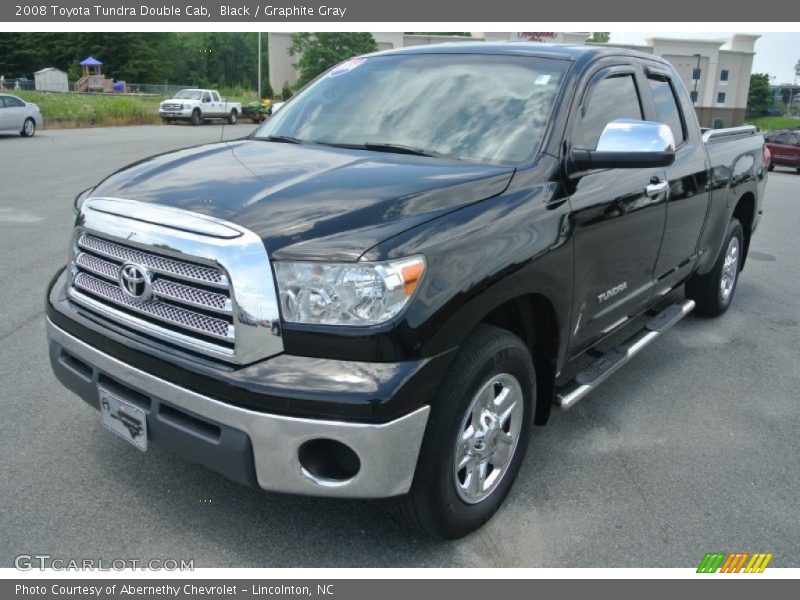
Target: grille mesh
204	324
190	295
177	268
192	299
98	265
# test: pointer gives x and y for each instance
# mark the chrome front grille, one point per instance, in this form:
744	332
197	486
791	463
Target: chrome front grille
162	311
178	300
184	278
155	262
172	107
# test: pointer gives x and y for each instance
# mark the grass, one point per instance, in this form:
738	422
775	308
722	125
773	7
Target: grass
771	123
62	111
93	110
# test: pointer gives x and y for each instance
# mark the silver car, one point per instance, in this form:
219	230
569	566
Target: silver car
18	116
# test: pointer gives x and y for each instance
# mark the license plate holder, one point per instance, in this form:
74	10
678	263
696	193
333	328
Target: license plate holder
126	420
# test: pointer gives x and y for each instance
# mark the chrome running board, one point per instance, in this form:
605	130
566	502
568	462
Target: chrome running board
606	365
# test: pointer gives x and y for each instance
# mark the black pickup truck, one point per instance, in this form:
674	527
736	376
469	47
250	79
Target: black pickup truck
380	291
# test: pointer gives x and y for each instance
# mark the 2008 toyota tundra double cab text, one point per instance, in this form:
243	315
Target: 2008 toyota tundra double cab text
382	290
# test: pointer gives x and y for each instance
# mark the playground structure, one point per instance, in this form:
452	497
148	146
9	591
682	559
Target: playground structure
93	80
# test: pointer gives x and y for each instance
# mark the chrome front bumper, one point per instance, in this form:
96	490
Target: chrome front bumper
387	451
175	114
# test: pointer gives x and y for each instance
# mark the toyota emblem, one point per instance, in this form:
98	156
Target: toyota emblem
135	281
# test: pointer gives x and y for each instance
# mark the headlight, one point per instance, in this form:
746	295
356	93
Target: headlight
347	293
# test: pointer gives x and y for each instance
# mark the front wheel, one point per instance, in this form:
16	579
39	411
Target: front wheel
232	118
771	167
714	291
28	128
476	437
196	118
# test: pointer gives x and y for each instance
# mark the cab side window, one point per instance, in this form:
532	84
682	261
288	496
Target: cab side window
781	138
667	107
206	97
614	97
215	96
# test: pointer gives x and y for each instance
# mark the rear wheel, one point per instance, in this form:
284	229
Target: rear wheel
28	128
196	118
476	437
714	291
232	118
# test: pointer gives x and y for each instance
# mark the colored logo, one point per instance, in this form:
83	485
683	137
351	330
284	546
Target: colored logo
346	67
735	562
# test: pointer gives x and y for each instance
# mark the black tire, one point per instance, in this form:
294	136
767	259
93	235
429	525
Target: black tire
771	167
434	506
798	169
707	290
28	128
232	117
196	118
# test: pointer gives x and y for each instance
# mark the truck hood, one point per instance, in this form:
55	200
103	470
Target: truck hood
307	201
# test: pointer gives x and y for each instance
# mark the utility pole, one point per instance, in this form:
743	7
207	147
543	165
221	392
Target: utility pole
696	80
258	94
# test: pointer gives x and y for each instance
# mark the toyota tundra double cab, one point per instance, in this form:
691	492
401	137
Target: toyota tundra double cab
383	289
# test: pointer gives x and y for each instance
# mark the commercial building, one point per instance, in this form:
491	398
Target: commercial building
716	72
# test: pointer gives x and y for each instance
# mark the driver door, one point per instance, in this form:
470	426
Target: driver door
618	214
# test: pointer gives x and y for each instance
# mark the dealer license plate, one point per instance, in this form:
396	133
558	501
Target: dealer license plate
123	418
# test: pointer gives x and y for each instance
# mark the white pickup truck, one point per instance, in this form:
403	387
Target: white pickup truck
197	106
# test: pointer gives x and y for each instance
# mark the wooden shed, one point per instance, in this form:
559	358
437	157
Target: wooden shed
51	79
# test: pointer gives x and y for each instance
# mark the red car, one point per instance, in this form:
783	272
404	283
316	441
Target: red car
784	145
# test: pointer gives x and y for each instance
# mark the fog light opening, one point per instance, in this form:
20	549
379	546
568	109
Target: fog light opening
328	462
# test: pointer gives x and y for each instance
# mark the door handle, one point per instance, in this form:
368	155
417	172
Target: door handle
657	187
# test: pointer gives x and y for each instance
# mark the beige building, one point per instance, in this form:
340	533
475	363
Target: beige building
716	72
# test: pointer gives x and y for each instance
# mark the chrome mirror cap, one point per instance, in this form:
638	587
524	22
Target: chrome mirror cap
631	135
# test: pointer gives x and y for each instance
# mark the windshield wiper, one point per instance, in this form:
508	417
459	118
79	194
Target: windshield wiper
285	139
386	147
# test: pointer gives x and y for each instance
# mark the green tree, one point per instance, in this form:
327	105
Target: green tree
600	36
204	58
318	52
759	99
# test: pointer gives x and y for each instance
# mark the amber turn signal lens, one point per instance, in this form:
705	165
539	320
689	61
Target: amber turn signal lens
411	276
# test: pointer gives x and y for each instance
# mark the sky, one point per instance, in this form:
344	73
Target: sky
776	53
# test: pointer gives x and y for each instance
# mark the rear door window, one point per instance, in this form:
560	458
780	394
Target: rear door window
781	138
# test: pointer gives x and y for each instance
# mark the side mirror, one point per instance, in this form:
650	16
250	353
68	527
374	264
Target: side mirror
627	144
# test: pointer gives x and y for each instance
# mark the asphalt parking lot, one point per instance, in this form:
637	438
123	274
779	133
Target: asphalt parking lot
692	448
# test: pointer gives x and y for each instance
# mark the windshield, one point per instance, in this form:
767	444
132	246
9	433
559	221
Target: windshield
485	108
189	95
